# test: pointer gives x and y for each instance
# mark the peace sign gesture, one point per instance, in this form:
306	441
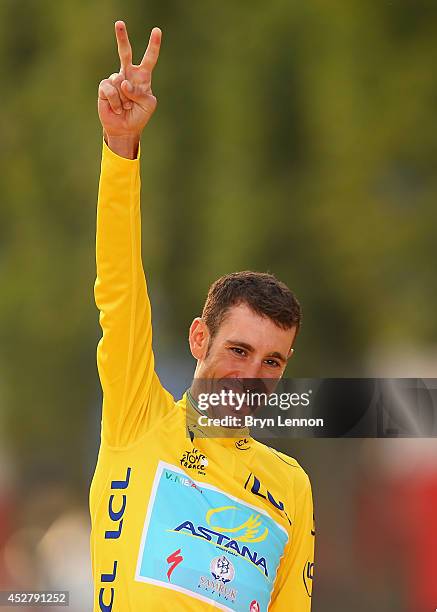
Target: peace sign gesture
126	101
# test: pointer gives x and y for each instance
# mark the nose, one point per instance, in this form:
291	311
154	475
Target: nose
251	370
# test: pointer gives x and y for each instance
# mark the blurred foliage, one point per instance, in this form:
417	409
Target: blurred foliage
298	138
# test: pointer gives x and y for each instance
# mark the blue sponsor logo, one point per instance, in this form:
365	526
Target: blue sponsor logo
116	509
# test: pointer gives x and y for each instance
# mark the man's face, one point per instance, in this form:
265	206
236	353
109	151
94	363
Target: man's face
246	345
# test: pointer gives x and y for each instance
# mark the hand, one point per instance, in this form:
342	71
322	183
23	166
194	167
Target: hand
126	102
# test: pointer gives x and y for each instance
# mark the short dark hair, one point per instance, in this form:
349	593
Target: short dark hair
261	291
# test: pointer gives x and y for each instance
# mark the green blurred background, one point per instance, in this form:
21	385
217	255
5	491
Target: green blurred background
298	138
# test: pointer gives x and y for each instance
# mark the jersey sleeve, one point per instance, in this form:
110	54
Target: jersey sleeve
133	398
293	587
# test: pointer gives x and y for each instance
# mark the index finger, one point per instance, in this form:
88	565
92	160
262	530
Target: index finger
123	44
152	52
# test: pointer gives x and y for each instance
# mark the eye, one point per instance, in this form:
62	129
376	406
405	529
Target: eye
273	363
238	351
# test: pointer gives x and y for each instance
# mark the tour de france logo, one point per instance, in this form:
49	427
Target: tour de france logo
194	460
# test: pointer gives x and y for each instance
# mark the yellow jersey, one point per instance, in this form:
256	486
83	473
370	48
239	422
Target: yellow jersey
179	521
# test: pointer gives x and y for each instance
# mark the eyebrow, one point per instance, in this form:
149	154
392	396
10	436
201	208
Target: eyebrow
250	348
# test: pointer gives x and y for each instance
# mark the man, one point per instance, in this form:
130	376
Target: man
184	522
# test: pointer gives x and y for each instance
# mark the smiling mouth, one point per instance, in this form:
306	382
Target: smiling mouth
236	386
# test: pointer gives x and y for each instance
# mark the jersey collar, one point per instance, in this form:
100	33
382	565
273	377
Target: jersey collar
226	436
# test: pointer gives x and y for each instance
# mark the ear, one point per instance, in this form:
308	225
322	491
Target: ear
291	351
199	338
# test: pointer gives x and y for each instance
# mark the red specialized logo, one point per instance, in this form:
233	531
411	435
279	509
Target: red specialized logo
175	558
254	606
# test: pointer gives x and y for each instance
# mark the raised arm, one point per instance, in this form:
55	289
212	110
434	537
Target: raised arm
133	398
